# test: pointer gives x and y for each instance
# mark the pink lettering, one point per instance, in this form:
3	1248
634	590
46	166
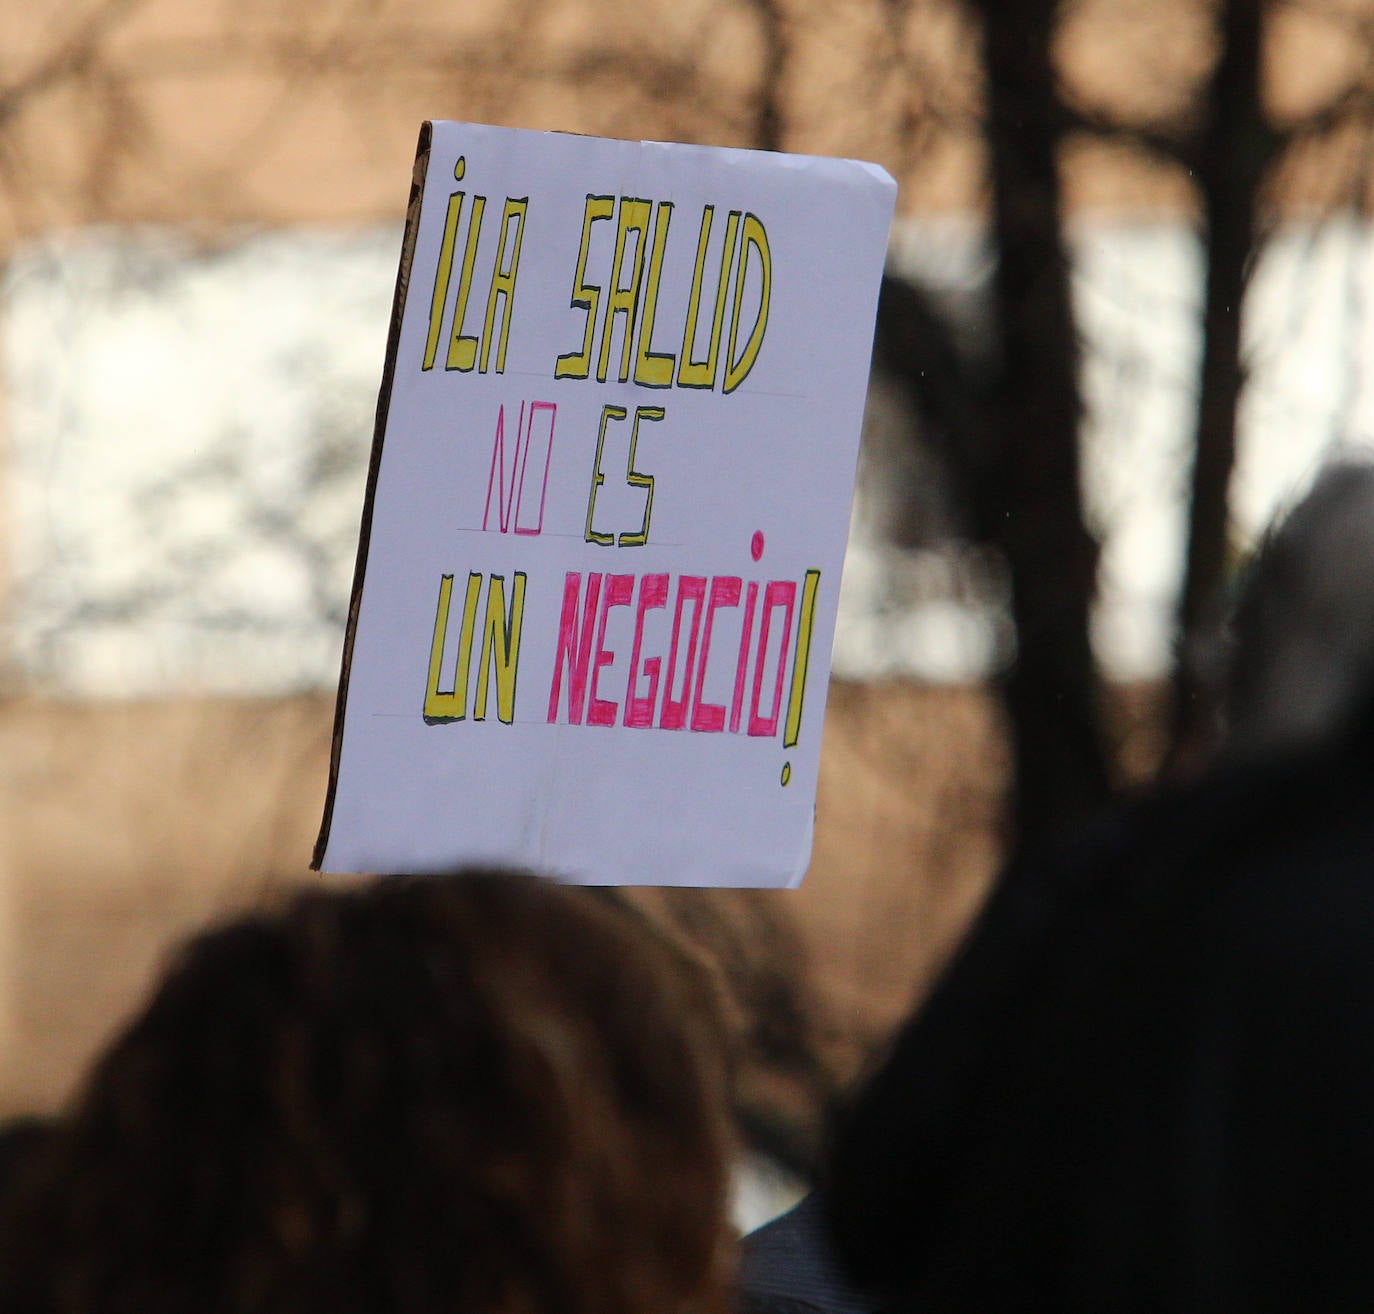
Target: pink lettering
505	494
575	654
674	715
619	590
639	712
779	593
541	444
509	485
710	717
742	664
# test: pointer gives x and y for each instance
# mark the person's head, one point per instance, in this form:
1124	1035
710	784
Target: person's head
482	1093
1302	635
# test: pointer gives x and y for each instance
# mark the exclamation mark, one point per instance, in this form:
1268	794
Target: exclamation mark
801	660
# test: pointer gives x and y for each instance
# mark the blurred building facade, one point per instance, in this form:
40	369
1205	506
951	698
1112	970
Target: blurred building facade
199	210
200	216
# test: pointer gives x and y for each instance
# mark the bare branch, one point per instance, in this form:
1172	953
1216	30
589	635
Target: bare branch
68	59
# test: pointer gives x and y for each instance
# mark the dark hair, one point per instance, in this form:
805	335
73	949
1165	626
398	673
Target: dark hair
484	1093
1302	642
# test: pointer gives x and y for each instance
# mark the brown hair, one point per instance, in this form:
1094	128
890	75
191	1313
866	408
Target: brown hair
484	1094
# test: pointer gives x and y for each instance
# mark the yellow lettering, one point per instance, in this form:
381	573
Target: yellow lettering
440	706
451	705
802	660
608	413
441	277
501	644
654	369
755	239
694	373
503	281
462	348
585	296
634	218
637	480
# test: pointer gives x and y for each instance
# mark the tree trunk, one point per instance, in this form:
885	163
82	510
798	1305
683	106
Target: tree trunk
1234	153
1051	694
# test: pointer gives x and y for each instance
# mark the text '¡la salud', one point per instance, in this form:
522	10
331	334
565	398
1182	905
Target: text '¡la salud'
620	337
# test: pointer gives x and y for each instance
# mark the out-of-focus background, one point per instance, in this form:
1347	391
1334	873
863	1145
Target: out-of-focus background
1126	314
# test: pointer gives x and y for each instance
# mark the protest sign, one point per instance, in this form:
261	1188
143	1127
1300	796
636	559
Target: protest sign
607	510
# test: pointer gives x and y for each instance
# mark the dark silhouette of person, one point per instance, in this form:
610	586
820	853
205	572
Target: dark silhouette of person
1145	1082
788	1266
21	1139
1300	648
479	1093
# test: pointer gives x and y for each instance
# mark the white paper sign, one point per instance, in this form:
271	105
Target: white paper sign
607	511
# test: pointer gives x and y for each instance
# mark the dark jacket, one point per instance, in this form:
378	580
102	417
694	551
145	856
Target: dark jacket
1147	1082
788	1266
